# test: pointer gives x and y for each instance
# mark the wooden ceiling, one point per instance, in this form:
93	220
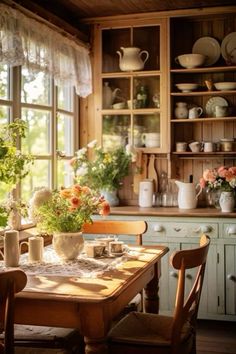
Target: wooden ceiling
70	13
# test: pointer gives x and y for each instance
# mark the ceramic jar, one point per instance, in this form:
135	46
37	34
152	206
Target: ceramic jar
131	58
181	110
68	245
227	202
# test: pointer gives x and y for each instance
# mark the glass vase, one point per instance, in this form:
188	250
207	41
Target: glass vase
111	196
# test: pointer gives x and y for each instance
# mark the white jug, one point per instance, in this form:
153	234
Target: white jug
131	58
108	96
188	195
11	248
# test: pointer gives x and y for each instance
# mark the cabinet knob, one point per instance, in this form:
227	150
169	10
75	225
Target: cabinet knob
173	274
158	228
177	229
231	277
189	276
206	228
231	230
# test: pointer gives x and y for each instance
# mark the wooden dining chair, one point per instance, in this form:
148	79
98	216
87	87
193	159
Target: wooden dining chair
11	282
148	333
134	230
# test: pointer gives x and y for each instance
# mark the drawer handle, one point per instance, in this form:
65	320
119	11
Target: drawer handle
203	228
177	229
231	230
231	277
158	228
173	274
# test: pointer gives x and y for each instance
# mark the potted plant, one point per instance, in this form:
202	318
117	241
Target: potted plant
63	213
104	172
14	165
221	180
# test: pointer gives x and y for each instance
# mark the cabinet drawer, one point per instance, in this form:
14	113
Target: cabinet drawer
229	230
181	229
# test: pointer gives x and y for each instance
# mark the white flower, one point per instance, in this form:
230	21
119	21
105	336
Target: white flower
92	144
83	170
81	152
40	196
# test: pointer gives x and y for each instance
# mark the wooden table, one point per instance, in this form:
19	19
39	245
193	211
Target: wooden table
90	304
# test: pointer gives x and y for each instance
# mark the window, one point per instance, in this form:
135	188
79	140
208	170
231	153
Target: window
51	114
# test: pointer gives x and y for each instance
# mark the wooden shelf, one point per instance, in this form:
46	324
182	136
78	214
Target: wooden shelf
215	69
202	120
204	93
130	74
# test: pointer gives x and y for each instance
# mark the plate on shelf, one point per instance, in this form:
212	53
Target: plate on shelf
212	103
228	48
208	46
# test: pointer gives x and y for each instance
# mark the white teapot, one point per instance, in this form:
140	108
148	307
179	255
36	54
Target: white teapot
131	58
108	96
188	195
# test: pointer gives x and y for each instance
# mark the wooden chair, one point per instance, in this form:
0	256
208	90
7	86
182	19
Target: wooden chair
11	282
151	333
134	229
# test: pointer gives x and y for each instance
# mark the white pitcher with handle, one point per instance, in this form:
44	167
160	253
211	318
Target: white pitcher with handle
131	58
188	195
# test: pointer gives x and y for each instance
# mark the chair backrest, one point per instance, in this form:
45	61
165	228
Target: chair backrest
11	282
117	227
186	305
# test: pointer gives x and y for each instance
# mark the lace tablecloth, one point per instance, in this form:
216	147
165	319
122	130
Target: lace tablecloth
82	267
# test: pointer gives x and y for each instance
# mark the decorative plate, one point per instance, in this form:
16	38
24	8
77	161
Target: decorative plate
228	48
208	46
212	103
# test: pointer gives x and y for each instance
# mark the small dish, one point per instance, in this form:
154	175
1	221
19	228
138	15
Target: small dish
221	86
187	87
117	254
209	47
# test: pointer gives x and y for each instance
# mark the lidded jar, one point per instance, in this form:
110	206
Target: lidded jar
181	110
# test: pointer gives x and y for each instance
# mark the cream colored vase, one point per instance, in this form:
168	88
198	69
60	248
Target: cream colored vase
68	245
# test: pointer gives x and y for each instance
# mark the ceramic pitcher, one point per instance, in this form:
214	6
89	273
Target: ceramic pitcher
131	58
188	195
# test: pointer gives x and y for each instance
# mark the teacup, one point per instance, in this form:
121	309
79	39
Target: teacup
94	249
221	111
208	146
181	146
195	146
116	247
195	112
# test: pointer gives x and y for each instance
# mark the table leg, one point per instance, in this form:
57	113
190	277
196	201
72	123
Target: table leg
151	297
95	346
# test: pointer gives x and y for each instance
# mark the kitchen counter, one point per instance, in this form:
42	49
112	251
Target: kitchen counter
171	211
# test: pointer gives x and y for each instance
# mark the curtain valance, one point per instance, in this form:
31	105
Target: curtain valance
26	41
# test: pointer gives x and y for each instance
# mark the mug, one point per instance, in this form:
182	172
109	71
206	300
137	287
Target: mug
208	146
195	112
94	249
195	146
221	111
181	146
151	139
35	247
116	247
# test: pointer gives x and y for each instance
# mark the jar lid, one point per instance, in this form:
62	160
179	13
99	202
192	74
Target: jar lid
227	140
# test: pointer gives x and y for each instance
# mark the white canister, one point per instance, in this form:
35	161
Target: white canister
35	246
11	248
146	193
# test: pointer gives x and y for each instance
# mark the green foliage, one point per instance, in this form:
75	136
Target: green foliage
13	164
104	171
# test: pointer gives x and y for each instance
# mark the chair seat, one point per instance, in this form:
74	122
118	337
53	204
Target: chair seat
146	329
47	340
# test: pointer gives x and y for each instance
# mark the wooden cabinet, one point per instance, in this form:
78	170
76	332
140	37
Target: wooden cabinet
131	105
211	30
218	300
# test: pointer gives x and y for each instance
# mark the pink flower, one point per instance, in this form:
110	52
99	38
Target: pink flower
233	170
209	175
202	182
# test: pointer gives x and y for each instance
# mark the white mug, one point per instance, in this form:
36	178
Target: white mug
221	111
208	146
151	139
195	146
195	112
35	247
116	247
11	253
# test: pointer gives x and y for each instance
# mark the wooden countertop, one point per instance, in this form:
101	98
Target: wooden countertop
172	211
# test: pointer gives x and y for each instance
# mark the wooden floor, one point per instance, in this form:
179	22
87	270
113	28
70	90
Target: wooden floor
216	337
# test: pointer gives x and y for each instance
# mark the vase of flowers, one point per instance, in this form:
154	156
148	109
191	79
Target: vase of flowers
104	171
221	179
63	214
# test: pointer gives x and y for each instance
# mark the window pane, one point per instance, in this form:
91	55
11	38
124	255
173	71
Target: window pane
64	174
35	88
65	98
37	141
4	115
65	134
39	177
4	82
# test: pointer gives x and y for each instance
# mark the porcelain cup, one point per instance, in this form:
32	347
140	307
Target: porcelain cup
221	111
181	146
35	247
195	146
116	247
208	146
195	112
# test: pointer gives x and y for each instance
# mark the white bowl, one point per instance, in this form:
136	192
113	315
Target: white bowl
187	87
225	86
119	105
190	61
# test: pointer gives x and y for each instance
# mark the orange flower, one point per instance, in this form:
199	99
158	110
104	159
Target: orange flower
75	202
77	189
202	182
66	193
233	170
105	209
209	175
86	190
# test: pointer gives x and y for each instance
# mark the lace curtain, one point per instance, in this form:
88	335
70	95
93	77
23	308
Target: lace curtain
25	41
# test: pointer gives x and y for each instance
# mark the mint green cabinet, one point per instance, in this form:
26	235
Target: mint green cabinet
218	300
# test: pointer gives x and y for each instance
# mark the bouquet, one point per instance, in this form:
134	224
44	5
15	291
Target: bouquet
222	178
